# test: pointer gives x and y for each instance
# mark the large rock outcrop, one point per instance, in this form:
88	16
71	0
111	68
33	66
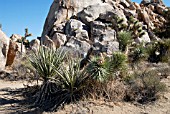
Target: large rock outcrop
61	10
12	51
4	44
80	25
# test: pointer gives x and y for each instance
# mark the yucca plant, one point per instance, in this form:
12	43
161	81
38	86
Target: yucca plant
72	83
46	62
98	69
104	69
124	39
117	61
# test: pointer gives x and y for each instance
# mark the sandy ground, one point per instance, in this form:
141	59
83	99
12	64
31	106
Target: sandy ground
161	106
11	98
12	102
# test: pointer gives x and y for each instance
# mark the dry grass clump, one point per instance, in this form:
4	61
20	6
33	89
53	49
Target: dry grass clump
144	86
114	90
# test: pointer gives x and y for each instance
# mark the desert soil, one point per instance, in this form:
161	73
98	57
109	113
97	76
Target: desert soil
12	102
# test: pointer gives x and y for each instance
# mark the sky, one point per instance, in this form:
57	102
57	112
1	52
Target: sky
16	15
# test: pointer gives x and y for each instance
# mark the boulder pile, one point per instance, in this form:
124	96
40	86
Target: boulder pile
80	25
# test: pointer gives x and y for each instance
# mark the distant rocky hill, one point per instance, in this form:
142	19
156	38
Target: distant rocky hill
81	24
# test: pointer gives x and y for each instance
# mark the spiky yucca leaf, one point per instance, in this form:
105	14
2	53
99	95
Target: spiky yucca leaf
72	81
117	61
124	38
98	69
44	61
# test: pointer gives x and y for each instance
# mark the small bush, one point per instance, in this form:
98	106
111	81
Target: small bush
105	69
113	90
98	69
159	51
124	39
144	87
138	54
117	64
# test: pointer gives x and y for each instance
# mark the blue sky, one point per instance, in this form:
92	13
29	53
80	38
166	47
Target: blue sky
16	15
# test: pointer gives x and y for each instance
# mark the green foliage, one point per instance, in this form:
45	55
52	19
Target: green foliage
159	51
135	27
46	61
138	54
73	82
98	69
120	20
105	69
117	62
124	39
144	86
141	34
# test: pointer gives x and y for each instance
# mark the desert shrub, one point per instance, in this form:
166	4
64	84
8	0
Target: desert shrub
124	39
113	90
117	64
72	83
138	54
46	62
159	51
63	80
104	69
21	69
144	86
117	61
102	73
98	69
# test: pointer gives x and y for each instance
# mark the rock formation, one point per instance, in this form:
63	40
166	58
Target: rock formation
18	38
84	24
8	49
34	45
4	44
13	48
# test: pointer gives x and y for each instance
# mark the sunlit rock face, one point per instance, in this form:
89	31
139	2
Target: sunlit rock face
4	44
80	25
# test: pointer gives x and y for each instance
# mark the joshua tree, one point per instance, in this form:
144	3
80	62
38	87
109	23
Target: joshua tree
24	38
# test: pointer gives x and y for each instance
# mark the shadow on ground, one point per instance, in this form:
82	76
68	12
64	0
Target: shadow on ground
12	101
